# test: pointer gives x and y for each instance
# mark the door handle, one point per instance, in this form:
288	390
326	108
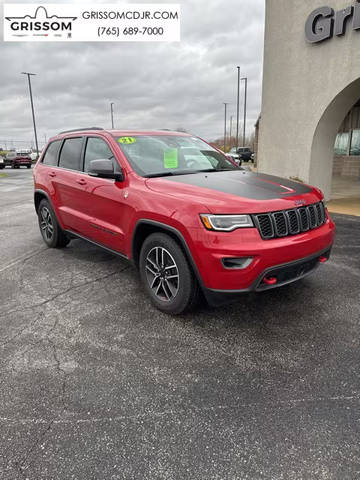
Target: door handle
52	174
81	181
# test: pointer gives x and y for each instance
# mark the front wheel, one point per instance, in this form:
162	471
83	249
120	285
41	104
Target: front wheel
166	275
50	229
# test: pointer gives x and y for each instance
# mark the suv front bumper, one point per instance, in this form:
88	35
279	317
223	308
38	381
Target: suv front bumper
284	274
211	248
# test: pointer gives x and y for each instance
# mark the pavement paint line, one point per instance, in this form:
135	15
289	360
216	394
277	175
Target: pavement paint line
8	189
139	416
25	205
21	259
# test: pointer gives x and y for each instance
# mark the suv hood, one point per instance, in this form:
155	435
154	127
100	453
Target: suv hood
237	191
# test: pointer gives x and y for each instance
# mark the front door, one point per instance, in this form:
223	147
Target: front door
103	203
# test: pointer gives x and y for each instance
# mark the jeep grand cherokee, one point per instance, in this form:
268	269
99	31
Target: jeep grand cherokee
182	212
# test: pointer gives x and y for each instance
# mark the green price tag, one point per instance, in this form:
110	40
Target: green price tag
127	140
171	158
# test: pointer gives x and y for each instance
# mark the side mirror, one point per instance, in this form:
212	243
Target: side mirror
104	168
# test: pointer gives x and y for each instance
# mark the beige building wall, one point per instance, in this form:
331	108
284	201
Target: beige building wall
307	91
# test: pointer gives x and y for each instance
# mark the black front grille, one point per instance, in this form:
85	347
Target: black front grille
290	222
265	225
304	219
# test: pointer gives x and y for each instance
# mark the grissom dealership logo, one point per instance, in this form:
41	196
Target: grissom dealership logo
41	25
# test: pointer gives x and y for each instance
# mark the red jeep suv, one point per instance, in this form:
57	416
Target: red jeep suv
182	212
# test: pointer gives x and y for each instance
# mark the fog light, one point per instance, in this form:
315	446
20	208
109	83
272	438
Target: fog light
237	263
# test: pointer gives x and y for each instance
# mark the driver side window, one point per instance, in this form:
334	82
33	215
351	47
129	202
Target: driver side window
96	149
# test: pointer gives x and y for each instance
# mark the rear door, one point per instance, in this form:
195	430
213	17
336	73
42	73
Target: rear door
69	185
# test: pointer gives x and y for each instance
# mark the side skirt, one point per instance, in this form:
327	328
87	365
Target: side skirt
110	250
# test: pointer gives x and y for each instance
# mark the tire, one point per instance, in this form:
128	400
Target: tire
50	229
13	165
179	292
28	166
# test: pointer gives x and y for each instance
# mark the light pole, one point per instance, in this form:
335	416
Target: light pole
225	105
112	114
237	108
245	107
231	122
32	109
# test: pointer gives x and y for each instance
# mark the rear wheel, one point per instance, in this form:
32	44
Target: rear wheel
50	229
167	275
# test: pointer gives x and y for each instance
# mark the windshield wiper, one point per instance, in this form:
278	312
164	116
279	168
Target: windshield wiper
159	174
208	170
187	172
170	174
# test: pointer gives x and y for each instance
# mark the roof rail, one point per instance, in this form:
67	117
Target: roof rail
81	129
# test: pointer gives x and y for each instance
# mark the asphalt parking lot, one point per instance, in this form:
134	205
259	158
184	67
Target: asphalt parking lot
97	384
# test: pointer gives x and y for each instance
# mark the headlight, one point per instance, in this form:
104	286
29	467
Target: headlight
226	223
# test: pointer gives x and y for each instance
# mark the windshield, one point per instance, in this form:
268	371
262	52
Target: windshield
164	155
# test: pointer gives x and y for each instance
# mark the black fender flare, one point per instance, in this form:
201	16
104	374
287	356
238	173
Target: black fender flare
42	192
179	236
47	196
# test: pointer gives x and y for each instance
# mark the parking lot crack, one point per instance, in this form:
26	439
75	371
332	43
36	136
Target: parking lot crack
22	465
51	299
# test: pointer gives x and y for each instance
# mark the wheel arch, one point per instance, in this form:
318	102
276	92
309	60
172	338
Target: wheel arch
38	196
144	228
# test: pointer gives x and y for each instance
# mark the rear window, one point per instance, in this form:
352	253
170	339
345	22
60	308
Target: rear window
70	156
51	154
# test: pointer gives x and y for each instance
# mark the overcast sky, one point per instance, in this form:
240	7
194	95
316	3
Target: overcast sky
153	85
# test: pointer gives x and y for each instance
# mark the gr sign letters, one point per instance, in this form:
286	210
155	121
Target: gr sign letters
323	23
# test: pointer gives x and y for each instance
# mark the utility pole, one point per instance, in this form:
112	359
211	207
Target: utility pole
112	114
32	109
225	105
231	122
237	108
245	107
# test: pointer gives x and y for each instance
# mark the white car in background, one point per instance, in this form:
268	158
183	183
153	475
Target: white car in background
235	156
2	162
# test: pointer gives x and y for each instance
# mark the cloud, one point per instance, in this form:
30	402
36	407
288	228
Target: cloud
153	85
